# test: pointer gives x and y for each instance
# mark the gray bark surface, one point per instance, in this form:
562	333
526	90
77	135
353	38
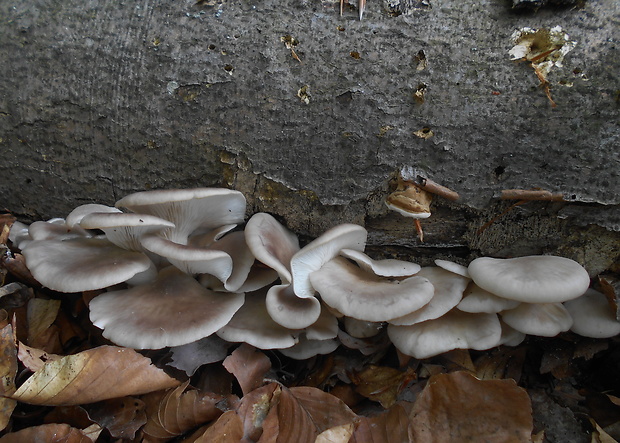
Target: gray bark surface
102	98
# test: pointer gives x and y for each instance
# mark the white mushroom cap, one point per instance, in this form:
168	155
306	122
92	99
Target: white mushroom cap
272	244
593	316
19	235
455	330
305	348
531	279
290	311
173	310
476	299
365	296
383	268
453	267
360	328
124	230
189	209
235	246
190	259
76	216
542	319
321	250
449	289
253	325
510	336
55	229
82	264
324	328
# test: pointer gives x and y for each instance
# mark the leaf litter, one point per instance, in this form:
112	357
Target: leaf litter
61	381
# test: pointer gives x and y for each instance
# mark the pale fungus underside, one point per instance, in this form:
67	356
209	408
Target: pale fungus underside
184	267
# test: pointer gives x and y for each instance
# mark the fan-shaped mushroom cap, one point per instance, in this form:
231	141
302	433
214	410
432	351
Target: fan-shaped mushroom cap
384	268
82	264
124	230
19	235
510	336
592	316
304	349
453	267
188	209
190	259
365	296
76	216
360	328
290	311
476	299
542	319
455	330
531	279
321	250
253	325
173	310
449	289
55	229
324	328
272	244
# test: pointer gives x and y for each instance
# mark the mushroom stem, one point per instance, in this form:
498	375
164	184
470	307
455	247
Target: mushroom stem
418	228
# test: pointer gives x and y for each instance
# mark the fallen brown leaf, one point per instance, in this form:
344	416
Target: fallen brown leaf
249	366
93	375
382	384
337	434
457	407
34	359
8	369
52	433
388	427
176	411
122	417
228	428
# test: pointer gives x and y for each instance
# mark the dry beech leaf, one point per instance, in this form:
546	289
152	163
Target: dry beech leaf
52	433
382	384
599	435
175	411
390	426
93	375
457	407
41	314
228	428
254	407
122	417
8	369
249	367
337	434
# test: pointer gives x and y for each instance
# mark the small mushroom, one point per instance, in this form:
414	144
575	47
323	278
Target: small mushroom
593	316
410	201
542	319
365	296
448	293
321	250
453	267
383	268
360	328
455	330
290	311
188	209
531	279
476	299
82	264
171	311
305	348
76	216
252	324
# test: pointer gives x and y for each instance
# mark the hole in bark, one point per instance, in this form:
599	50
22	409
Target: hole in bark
499	170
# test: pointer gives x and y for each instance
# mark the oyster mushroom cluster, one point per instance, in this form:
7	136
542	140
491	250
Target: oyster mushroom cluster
176	267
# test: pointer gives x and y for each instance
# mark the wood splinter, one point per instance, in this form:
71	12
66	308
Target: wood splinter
435	188
530	195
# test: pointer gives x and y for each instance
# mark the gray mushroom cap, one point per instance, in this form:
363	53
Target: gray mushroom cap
593	316
455	330
542	319
188	209
321	250
365	296
384	268
171	311
531	279
82	264
476	299
290	311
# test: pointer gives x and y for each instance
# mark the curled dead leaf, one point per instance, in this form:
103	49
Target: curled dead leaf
51	433
93	375
249	366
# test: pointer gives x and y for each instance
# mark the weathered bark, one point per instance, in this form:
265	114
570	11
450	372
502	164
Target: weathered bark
102	98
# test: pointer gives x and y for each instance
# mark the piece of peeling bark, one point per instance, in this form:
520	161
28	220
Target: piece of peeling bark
249	366
93	375
47	433
458	407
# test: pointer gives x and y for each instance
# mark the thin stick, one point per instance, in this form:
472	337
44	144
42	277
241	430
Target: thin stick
530	195
435	188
